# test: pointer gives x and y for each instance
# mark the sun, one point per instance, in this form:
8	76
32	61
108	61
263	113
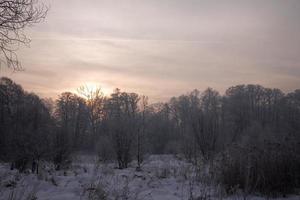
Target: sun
93	86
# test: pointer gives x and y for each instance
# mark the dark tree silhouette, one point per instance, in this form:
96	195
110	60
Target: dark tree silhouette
247	139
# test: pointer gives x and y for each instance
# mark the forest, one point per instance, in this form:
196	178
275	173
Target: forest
242	143
246	139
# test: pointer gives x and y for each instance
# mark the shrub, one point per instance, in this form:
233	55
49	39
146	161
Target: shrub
96	192
271	170
105	150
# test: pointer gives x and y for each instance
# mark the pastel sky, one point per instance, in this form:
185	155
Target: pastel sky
162	48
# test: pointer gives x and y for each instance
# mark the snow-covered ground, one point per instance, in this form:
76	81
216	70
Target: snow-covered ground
163	177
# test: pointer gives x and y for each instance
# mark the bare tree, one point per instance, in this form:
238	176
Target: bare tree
95	103
25	126
71	116
206	123
141	132
15	16
121	116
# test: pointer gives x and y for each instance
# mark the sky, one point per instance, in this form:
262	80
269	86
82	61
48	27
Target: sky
162	48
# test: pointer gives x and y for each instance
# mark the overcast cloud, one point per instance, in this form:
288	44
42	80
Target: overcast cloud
163	48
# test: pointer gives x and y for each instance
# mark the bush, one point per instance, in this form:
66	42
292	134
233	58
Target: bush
272	170
104	149
61	159
96	192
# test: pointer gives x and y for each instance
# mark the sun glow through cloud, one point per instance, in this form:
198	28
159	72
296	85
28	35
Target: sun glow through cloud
162	48
92	87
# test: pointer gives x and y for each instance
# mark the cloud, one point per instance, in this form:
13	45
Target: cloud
163	48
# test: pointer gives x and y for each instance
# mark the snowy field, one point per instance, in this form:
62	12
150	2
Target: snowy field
163	177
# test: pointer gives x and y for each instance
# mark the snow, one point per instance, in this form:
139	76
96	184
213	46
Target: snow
163	177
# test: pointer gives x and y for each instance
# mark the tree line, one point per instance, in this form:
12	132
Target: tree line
249	136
